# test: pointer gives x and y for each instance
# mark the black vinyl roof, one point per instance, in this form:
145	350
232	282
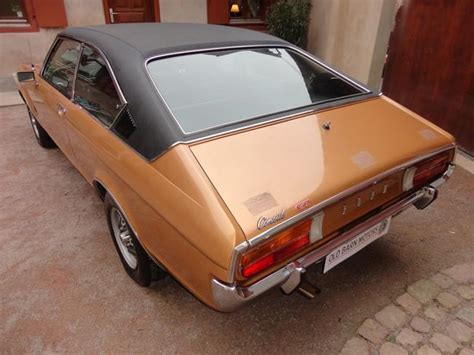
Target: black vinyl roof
161	38
127	48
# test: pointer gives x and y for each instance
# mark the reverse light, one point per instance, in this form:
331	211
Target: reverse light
423	172
279	248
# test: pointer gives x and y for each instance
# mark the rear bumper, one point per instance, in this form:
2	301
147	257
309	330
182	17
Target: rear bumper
230	297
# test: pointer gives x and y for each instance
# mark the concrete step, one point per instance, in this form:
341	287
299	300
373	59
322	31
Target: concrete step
10	98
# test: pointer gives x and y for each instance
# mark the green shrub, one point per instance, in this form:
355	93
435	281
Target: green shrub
288	19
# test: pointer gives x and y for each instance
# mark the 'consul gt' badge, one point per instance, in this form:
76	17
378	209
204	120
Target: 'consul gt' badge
302	205
265	222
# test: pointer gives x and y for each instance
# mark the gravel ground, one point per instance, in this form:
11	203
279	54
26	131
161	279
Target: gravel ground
62	287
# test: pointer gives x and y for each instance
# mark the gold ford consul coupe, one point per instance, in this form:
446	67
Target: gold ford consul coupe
229	158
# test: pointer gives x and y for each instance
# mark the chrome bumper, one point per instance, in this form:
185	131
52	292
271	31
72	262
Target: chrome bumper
230	297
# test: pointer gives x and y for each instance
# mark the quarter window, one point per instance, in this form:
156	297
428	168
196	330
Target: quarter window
95	90
61	65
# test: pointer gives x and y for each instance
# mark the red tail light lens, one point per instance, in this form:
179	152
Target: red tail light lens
279	248
425	171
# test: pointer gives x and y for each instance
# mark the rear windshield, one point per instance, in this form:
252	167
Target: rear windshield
212	89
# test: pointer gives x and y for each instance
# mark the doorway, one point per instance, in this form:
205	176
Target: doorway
127	11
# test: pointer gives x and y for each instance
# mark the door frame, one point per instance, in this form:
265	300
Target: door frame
155	4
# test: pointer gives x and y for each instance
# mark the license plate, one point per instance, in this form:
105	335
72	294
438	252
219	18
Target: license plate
357	243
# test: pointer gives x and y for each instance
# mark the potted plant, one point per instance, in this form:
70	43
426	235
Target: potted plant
289	19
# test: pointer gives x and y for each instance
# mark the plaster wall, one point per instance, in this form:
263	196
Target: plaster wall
183	11
352	35
31	47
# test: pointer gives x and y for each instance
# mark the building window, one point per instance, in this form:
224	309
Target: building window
247	10
15	16
12	11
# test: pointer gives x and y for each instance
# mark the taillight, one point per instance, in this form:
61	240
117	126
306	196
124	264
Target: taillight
279	248
423	172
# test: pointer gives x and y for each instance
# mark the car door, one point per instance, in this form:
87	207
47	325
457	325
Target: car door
97	103
55	87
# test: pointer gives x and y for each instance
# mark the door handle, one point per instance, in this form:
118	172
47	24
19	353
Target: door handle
112	13
61	110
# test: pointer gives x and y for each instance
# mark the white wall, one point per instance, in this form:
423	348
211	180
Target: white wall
183	11
352	35
84	12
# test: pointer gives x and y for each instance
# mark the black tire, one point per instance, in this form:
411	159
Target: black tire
145	269
42	137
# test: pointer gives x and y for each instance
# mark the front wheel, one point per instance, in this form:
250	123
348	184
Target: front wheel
134	258
42	137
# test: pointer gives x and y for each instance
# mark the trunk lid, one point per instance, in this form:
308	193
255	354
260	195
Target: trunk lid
278	170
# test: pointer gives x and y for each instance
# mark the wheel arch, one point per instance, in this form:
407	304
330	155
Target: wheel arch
103	186
99	188
25	96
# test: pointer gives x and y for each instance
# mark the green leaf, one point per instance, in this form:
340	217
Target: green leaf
289	19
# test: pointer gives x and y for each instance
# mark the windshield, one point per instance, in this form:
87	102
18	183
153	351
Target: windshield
217	88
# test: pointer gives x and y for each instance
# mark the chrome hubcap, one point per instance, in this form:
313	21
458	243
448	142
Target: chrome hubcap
123	237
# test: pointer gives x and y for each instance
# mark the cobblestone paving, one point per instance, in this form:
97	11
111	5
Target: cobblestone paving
435	316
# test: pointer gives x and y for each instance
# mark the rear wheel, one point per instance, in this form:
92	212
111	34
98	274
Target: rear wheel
135	259
42	137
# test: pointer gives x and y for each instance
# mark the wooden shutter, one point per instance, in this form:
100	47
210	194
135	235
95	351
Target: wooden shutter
218	12
50	13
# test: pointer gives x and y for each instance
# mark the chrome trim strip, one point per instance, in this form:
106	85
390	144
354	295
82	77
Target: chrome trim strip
107	63
229	297
326	248
291	116
296	49
234	259
281	118
123	101
445	177
259	124
46	58
112	74
316	232
277	228
57	39
213	49
321	205
76	70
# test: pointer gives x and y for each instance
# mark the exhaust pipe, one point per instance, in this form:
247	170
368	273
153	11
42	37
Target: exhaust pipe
298	281
429	196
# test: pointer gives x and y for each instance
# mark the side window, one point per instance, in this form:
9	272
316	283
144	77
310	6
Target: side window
95	90
61	65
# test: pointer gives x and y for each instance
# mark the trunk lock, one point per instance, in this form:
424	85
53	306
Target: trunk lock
327	125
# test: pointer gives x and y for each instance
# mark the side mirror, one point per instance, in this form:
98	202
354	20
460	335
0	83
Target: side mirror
25	76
